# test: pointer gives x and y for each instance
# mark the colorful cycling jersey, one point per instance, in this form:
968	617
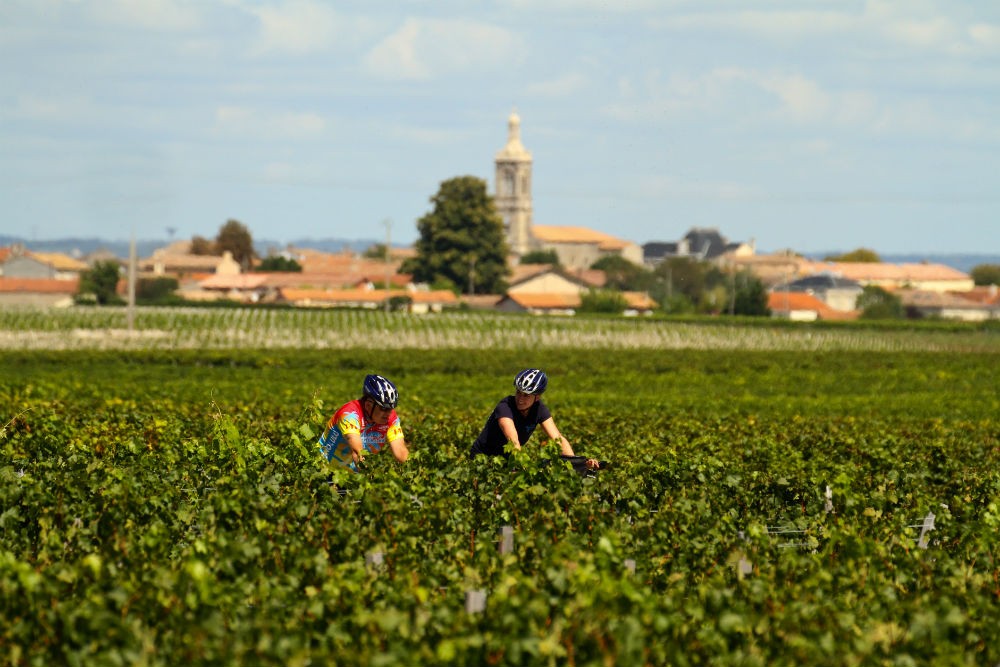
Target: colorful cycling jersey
350	419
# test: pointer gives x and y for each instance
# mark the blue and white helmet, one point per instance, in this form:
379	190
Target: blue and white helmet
382	391
531	381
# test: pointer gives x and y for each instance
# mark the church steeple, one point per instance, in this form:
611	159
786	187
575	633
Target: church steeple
513	187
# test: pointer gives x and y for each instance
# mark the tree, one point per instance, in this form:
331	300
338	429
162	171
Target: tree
235	237
156	290
602	301
279	263
623	274
750	297
702	284
100	283
875	303
202	246
860	255
541	257
376	251
462	240
986	274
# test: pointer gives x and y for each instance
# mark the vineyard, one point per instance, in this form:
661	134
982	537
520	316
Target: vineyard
779	495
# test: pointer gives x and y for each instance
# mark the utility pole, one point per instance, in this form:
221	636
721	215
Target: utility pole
131	284
472	274
388	267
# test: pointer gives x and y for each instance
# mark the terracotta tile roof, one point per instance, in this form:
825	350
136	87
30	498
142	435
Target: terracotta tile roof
182	262
593	277
558	234
365	295
784	302
639	301
901	273
928	299
39	285
5	253
522	272
314	261
433	296
239	281
331	280
987	295
59	261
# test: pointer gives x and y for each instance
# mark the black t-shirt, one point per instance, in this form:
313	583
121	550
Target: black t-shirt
492	438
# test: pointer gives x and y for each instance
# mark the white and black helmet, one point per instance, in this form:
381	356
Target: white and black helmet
531	381
382	391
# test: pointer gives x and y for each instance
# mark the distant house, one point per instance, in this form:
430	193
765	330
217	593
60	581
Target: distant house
579	247
53	292
929	277
702	244
549	303
539	303
543	278
177	261
785	268
420	301
244	287
19	262
803	307
547	289
770	269
836	292
947	306
317	261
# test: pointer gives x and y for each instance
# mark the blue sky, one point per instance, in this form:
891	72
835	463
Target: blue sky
805	124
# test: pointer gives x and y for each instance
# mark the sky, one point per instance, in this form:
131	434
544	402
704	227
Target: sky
809	125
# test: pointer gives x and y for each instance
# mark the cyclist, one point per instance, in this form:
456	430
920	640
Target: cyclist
364	426
516	416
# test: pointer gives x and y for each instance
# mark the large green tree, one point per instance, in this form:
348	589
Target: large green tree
235	237
858	255
100	283
623	274
875	303
684	284
986	274
541	257
462	241
280	264
749	295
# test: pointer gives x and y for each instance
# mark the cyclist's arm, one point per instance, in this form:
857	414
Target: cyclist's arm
552	431
399	450
357	447
507	426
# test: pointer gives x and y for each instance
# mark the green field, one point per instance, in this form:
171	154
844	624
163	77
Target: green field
163	502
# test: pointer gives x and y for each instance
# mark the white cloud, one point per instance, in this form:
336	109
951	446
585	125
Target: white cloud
300	26
659	186
241	121
160	15
801	99
602	6
985	34
561	87
424	49
914	25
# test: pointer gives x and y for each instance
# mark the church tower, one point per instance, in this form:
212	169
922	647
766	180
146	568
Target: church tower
513	188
